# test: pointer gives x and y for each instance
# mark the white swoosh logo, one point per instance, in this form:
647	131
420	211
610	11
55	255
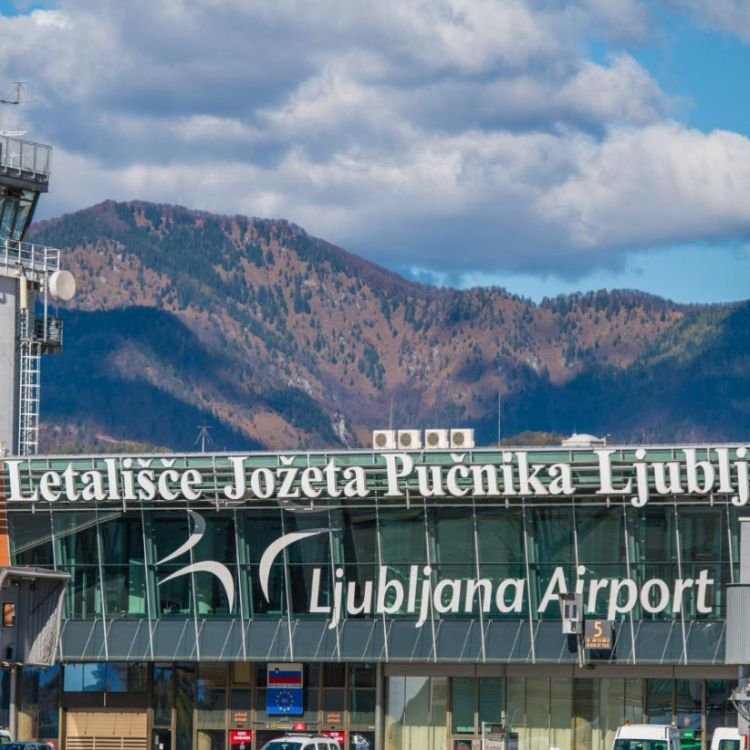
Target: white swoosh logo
273	549
209	566
199	529
215	568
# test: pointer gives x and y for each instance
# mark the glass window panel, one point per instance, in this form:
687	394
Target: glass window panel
601	539
312	675
538	711
94	677
116	678
315	549
551	533
362	675
210	695
659	701
333	699
184	705
73	678
137	678
586	712
125	590
633	701
49	702
162	695
276	604
31	538
454	537
561	709
500	534
359	537
261	528
655	533
334	674
402	537
720	711
241	700
516	702
688	704
612	702
490	699
175	596
415	713
463	690
362	709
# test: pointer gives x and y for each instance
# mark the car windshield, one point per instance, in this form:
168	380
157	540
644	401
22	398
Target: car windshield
283	745
638	744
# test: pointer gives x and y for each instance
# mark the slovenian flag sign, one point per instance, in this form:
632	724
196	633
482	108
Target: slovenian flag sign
284	690
284	675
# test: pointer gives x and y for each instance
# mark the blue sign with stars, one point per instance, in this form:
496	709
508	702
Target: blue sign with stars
284	690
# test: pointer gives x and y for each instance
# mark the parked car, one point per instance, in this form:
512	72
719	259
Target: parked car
301	742
726	738
28	746
647	737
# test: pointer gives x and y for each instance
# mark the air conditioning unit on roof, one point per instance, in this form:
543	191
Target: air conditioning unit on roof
436	439
384	440
409	439
462	438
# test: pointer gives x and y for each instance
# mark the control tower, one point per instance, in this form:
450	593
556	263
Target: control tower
30	276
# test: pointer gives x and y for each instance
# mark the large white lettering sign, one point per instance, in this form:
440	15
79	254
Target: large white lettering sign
710	471
421	593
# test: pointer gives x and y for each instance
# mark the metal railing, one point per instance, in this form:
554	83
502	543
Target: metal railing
30	257
24	156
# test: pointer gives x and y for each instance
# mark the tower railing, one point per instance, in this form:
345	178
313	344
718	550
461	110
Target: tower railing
24	156
28	256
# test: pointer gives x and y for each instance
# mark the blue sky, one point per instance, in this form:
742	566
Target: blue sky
546	146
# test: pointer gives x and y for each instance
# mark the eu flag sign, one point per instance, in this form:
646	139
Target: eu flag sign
284	690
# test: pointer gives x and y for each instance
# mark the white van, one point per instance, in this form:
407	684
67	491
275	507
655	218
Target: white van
726	738
302	741
647	737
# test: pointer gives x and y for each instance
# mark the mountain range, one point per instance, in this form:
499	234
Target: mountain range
271	338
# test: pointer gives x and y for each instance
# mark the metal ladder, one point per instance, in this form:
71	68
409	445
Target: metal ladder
30	354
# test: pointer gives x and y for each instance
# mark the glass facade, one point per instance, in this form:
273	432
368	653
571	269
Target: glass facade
189	574
482	569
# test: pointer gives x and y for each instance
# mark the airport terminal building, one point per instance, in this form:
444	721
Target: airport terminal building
396	598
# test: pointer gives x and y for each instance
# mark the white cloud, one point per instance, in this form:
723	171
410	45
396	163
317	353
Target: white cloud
462	134
731	16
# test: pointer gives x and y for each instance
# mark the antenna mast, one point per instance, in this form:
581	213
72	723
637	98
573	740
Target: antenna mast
203	437
19	88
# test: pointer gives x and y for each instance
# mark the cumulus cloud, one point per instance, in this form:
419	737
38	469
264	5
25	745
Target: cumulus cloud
731	16
406	131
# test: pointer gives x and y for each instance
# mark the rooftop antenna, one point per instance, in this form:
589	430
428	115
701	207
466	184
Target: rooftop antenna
203	437
19	95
